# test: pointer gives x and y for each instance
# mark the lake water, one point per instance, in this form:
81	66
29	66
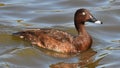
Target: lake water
17	15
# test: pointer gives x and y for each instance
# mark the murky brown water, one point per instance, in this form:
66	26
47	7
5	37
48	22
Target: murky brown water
16	15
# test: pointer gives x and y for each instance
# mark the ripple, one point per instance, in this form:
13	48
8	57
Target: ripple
17	15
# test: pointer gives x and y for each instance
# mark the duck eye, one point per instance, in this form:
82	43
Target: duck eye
83	13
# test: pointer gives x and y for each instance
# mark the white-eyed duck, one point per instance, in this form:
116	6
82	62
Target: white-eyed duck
61	41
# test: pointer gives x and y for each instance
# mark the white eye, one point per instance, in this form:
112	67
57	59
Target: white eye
83	13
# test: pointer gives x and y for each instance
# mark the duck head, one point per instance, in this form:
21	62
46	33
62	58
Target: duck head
82	16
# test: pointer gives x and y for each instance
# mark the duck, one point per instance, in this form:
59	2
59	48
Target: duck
61	41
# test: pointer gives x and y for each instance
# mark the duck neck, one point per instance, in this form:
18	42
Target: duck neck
83	36
81	29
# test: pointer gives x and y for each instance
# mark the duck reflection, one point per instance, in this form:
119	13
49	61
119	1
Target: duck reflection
56	54
85	59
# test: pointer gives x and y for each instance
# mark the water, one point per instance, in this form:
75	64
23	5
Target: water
16	15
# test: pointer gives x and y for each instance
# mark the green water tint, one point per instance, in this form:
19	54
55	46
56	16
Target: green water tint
112	48
8	39
2	4
39	11
116	41
23	23
5	65
25	52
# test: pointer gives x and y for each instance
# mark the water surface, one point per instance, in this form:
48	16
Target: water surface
17	15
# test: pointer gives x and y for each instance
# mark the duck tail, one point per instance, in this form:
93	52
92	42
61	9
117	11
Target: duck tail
19	34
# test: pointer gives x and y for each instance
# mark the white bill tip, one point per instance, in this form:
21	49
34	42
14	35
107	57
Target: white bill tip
98	22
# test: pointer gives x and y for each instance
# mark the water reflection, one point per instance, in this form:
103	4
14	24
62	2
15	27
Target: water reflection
86	59
57	54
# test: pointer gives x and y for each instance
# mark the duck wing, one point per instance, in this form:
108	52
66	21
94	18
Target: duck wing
48	38
53	33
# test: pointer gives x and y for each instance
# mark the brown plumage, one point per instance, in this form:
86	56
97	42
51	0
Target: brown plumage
61	41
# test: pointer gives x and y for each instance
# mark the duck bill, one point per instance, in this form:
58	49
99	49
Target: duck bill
94	20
